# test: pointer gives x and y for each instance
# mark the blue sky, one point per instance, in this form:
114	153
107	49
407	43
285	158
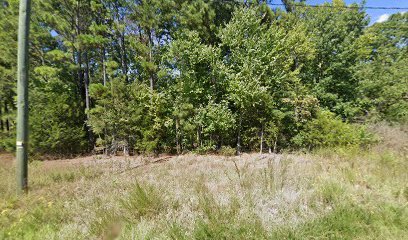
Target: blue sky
375	14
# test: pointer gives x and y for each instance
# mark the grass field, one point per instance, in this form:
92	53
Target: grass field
342	193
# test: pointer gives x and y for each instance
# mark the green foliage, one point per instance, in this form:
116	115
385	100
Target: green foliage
205	149
7	141
330	74
8	73
258	68
56	128
179	75
128	116
214	121
328	131
383	70
227	151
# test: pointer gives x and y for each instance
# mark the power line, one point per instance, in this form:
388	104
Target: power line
343	7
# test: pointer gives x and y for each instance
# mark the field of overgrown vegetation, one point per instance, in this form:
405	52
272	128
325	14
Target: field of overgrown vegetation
340	193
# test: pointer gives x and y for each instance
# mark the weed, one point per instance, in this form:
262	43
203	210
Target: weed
63	176
41	220
331	192
405	193
351	221
107	225
242	173
143	201
89	173
275	174
176	232
224	222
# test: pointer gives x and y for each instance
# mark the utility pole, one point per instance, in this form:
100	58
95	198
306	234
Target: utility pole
22	95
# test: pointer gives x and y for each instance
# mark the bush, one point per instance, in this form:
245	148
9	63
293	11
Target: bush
227	151
205	150
8	142
328	131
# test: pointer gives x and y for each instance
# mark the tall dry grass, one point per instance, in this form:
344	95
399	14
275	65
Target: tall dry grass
342	193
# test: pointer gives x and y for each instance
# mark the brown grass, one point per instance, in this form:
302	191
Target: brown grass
338	193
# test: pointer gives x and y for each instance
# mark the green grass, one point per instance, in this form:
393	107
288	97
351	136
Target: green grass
352	222
143	201
330	194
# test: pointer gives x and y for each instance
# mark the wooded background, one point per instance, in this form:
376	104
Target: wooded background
172	76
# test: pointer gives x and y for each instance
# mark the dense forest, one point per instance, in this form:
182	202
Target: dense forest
172	76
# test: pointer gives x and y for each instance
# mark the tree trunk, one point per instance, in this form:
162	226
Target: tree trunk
79	53
87	99
1	121
239	135
177	137
125	150
274	145
6	112
198	137
103	67
123	55
86	85
151	73
80	74
121	41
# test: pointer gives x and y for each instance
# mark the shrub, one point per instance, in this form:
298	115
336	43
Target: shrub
7	142
328	131
227	151
205	150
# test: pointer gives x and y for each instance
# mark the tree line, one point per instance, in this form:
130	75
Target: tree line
153	76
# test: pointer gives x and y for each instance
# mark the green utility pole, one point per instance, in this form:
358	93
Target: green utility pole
22	95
